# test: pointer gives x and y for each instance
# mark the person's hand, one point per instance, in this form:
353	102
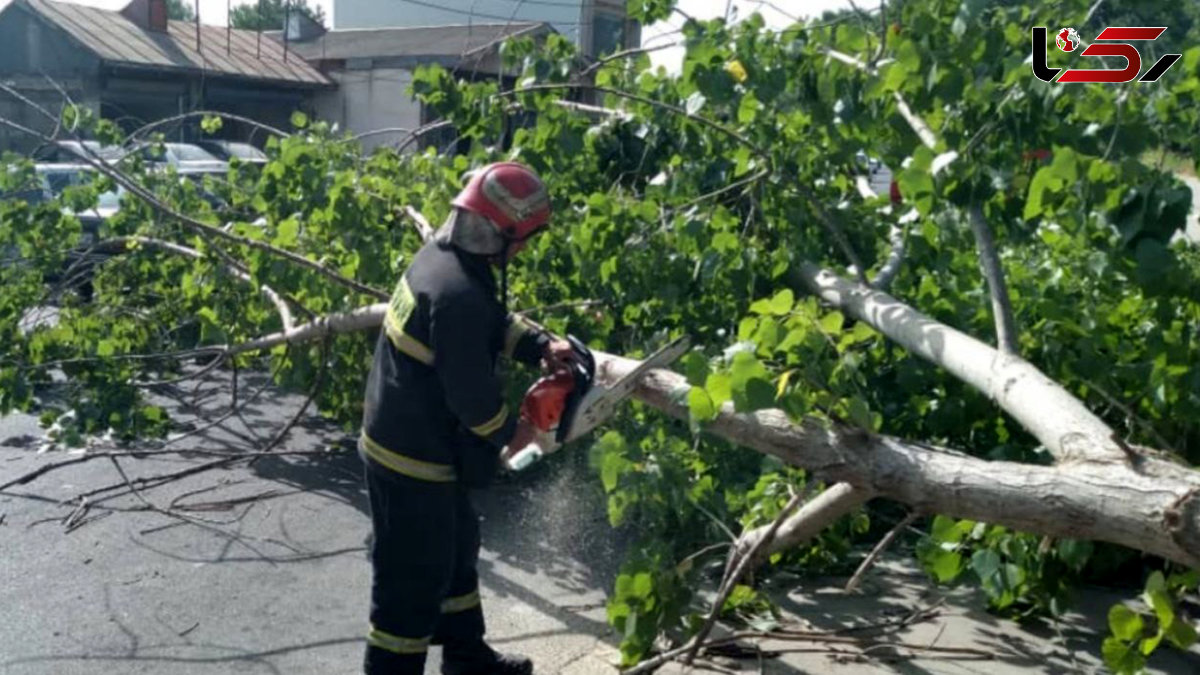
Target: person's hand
558	355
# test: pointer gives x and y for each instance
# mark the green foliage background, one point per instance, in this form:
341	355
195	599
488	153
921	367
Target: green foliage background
684	214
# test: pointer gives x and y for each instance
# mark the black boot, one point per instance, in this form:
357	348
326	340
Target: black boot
481	659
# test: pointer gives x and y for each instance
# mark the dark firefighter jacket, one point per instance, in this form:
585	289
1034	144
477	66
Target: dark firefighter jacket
434	407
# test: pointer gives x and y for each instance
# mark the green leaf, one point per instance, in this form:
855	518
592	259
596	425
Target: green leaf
1042	181
720	388
779	304
1181	634
860	413
288	231
1151	643
986	565
1075	553
832	322
1125	623
643	585
748	108
211	124
695	367
1121	657
950	531
299	120
946	566
105	348
744	368
917	187
1161	603
611	469
759	394
700	405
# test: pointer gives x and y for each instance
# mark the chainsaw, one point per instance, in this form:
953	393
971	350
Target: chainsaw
569	403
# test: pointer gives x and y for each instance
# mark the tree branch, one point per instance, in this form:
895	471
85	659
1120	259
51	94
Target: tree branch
206	113
424	229
1155	509
817	514
737	572
121	245
879	548
993	272
1072	433
897	240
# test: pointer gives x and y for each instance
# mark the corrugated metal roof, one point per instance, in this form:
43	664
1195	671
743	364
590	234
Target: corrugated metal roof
451	40
118	40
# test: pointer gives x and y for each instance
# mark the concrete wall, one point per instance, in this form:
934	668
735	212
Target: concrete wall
370	100
31	46
565	16
31	51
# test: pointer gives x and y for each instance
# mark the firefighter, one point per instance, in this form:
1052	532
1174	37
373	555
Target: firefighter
435	425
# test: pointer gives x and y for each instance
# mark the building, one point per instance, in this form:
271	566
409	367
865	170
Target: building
135	66
373	69
598	27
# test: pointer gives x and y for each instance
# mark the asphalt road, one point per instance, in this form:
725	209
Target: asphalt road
270	574
274	585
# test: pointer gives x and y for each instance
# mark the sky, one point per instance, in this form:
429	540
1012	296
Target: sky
776	14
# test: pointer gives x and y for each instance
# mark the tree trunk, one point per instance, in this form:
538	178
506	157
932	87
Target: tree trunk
1153	511
1141	502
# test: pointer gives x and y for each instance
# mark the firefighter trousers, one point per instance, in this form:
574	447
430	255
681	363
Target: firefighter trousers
425	585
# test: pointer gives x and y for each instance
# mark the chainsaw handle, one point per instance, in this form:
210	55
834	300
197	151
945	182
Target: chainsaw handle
585	356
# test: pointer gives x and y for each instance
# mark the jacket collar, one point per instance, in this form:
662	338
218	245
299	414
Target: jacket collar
477	266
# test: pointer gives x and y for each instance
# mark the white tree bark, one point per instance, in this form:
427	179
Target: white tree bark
1057	419
1149	510
817	514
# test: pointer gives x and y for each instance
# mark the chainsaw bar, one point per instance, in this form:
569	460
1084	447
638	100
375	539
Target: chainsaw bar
600	402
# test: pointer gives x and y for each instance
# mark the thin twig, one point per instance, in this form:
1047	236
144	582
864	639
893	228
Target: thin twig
738	572
879	548
216	363
207	113
558	306
712	516
419	222
815	636
835	231
1131	414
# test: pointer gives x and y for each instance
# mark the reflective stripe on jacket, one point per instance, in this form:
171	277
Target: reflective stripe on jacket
433	378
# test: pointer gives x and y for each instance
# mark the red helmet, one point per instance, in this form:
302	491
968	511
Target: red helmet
511	196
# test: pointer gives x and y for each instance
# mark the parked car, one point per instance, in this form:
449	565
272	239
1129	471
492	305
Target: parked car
227	150
180	155
53	179
62	152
